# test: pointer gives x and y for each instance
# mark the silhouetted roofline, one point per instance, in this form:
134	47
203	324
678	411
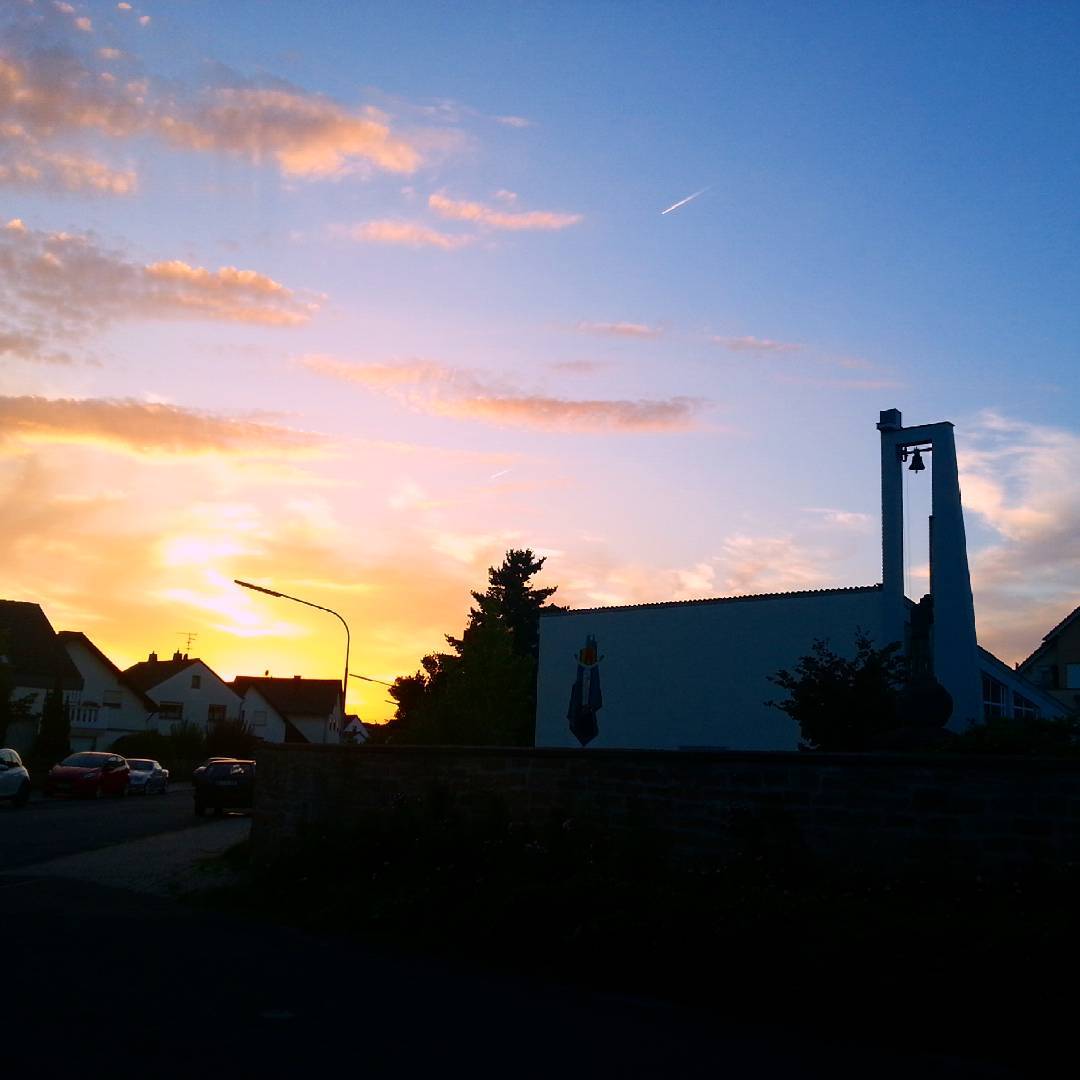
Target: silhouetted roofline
38	660
78	635
717	600
1066	622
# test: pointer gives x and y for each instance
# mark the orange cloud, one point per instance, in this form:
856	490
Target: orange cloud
620	329
500	219
552	413
308	135
401	373
141	429
62	285
434	388
55	94
407	234
26	164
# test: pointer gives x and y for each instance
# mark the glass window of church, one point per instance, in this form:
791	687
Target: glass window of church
1023	709
993	697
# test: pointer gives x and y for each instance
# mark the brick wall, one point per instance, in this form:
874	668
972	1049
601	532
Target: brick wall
873	809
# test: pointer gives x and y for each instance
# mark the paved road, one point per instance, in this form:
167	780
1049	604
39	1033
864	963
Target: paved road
92	972
89	968
48	828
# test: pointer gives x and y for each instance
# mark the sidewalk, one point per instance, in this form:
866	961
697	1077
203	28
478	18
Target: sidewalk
169	864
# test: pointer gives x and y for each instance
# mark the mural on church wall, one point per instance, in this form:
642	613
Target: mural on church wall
586	697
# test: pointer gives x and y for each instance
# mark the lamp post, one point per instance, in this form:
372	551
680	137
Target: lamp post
329	611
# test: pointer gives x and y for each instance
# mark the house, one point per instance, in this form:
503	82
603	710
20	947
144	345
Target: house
695	673
354	731
109	705
1055	665
291	710
1007	692
186	691
37	662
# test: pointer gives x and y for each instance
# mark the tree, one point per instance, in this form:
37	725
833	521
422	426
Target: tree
511	602
53	742
843	703
484	692
11	710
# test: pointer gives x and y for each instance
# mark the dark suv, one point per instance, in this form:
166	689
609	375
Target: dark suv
225	785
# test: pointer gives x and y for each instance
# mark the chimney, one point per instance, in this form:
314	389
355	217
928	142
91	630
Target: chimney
296	676
152	658
176	655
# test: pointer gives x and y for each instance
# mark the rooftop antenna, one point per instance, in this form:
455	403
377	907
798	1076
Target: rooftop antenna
190	635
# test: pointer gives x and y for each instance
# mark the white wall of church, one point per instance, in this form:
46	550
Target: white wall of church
693	675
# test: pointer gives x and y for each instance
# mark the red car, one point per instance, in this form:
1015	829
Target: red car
89	774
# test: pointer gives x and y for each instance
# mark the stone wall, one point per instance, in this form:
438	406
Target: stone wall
875	810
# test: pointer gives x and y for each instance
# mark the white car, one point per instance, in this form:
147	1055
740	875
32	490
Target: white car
14	779
147	776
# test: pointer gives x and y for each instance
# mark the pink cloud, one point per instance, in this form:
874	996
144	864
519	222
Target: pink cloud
455	210
406	234
756	345
430	387
620	329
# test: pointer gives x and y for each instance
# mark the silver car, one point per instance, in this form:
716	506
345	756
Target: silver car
147	777
14	779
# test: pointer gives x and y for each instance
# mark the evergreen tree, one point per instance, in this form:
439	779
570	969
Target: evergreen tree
484	692
53	742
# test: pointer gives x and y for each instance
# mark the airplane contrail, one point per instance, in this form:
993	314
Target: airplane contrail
683	202
495	476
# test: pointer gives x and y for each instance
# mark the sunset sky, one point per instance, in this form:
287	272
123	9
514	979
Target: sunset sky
346	299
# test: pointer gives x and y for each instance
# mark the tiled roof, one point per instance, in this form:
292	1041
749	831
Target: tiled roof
78	636
37	658
147	674
293	697
716	600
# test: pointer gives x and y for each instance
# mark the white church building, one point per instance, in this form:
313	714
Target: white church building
694	674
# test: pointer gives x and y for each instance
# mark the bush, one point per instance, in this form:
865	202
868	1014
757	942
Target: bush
1008	735
843	704
231	738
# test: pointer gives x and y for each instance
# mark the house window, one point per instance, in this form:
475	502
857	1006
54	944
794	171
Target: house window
171	710
196	682
87	714
215	714
1023	709
258	718
110	699
1072	676
993	698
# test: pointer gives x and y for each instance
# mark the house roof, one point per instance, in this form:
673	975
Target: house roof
1051	634
77	636
993	666
147	674
715	600
293	697
37	658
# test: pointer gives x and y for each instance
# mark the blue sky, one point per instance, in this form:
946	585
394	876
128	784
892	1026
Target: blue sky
471	326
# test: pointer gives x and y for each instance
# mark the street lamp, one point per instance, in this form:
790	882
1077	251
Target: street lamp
330	611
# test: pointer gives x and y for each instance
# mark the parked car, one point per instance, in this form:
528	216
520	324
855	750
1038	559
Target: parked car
147	776
14	779
90	774
228	784
202	768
